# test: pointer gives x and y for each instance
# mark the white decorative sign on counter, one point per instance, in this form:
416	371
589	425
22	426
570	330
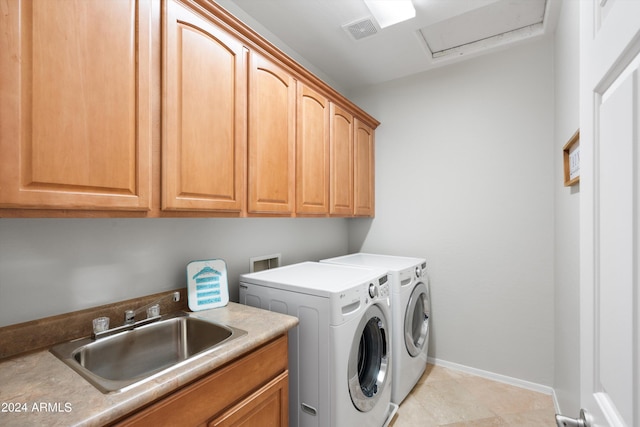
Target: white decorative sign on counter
207	284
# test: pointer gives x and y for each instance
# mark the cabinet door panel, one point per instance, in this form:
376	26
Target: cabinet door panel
76	108
208	398
364	170
268	407
312	152
271	138
204	114
341	162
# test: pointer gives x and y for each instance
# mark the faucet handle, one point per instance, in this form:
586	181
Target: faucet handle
129	317
100	324
153	311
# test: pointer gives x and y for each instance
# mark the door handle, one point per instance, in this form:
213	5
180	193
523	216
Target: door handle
583	421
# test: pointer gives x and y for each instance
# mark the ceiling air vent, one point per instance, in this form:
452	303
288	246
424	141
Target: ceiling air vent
361	29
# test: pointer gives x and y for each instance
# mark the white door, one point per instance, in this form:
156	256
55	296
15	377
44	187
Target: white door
610	211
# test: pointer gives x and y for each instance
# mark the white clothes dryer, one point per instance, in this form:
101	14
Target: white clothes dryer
340	353
410	314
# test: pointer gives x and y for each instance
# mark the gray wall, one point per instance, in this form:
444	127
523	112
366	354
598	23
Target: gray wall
465	178
567	215
53	266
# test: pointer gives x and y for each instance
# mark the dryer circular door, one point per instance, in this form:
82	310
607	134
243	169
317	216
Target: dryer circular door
416	320
368	366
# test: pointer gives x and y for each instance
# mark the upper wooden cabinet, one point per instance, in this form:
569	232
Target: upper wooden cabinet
342	129
182	110
312	152
204	115
272	114
75	113
364	190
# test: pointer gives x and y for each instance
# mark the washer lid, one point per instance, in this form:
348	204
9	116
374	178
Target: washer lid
387	262
315	278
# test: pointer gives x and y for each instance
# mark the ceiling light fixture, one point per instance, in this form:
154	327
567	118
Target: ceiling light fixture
390	12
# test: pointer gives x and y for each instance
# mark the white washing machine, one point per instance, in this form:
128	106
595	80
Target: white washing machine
340	353
410	313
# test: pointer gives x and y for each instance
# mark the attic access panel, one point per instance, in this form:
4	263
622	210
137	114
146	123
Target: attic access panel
493	24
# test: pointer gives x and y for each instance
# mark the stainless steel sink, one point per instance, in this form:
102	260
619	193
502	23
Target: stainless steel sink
128	358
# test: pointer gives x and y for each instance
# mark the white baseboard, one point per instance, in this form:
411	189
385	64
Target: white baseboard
516	382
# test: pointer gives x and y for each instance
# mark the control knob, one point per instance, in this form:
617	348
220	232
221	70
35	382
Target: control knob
373	291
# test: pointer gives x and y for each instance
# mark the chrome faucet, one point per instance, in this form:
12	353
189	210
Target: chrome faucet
153	309
153	314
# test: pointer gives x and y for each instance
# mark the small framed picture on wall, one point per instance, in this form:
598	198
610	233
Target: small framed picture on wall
571	154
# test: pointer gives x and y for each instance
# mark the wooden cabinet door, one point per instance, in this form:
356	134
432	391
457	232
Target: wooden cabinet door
204	115
363	169
268	407
341	183
75	113
272	101
312	152
259	378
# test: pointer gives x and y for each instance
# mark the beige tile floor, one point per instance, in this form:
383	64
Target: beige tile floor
445	397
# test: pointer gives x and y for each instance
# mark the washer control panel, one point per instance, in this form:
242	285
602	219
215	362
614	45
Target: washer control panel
381	289
420	270
353	300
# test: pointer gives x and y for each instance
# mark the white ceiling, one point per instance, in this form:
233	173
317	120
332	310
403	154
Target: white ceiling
443	32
